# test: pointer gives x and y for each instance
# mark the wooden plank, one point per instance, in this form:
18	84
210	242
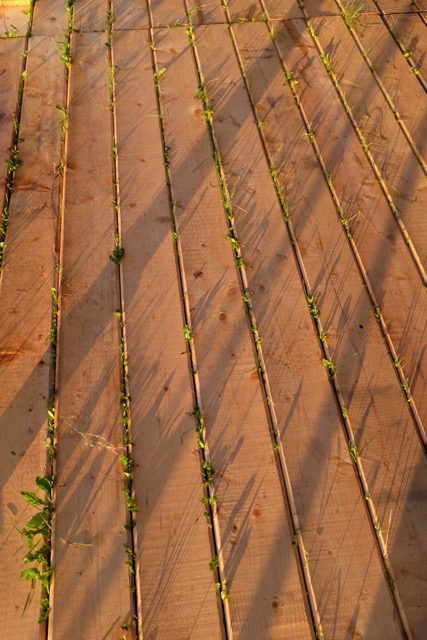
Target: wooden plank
90	506
26	312
279	10
13	22
130	15
90	15
389	266
396	6
343	557
266	596
178	596
394	71
50	18
411	31
365	373
399	167
10	71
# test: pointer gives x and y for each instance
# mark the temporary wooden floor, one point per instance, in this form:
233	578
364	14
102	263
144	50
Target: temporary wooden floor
213	320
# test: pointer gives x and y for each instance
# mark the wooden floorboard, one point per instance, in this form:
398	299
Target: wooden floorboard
395	73
177	589
365	372
90	504
26	309
302	397
256	537
260	277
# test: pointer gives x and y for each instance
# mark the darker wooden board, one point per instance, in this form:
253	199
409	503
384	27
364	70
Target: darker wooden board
390	450
177	590
389	266
327	496
91	595
50	18
394	71
26	311
365	373
398	165
266	593
411	31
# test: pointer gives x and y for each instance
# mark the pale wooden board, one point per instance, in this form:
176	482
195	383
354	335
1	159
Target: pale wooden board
390	149
91	596
173	540
391	453
10	71
266	595
13	18
26	309
394	71
342	550
14	3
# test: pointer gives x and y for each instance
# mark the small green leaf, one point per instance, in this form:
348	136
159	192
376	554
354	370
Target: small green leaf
45	483
31	498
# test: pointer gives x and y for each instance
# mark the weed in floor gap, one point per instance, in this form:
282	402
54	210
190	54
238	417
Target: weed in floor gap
241	262
222	590
190	34
158	75
63	112
291	80
279	192
246	297
346	224
54	321
214	563
310	135
354	451
397	361
344	412
311	30
311	301
188	334
407	391
118	251
352	12
14	161
65	50
273	33
327	61
50	439
207	473
37	534
330	368
322	336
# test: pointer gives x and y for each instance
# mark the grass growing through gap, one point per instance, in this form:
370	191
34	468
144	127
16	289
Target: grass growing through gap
351	12
387	190
38	531
329	365
209	499
126	459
